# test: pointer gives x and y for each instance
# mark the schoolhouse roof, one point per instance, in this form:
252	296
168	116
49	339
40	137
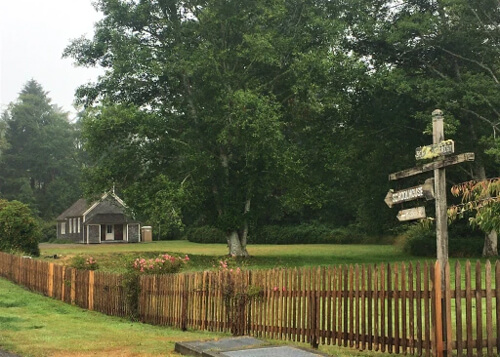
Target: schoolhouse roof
76	210
82	207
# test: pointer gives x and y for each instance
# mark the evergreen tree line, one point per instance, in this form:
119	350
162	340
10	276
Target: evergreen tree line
243	114
40	163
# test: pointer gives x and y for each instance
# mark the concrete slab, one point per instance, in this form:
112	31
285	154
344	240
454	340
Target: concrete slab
241	347
197	348
271	351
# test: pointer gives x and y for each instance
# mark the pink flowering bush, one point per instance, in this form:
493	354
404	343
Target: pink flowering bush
83	263
236	291
224	266
163	264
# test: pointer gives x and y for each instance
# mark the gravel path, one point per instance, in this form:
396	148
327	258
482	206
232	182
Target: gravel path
7	354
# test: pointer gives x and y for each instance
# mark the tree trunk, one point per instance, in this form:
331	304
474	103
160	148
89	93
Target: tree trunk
490	248
235	244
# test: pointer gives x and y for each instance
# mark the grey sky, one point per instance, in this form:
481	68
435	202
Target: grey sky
33	35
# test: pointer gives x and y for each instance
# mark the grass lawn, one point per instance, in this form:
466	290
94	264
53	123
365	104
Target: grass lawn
36	326
33	325
114	257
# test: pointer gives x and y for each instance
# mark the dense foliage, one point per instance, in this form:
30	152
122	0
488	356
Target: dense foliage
216	112
19	229
260	117
259	113
446	55
38	155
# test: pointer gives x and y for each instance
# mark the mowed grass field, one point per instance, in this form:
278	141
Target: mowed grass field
115	257
32	325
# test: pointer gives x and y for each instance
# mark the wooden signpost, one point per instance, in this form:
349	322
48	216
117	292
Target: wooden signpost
425	190
411	214
440	189
439	151
450	160
443	148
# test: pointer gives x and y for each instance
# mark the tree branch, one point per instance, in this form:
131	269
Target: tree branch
493	125
492	107
482	65
440	74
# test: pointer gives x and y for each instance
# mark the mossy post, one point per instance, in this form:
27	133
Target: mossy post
441	226
440	195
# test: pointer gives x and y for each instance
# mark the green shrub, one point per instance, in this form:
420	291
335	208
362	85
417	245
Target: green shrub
48	231
132	286
305	234
82	263
466	247
205	234
167	233
420	241
19	229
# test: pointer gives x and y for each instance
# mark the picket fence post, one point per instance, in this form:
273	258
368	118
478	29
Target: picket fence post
50	280
91	290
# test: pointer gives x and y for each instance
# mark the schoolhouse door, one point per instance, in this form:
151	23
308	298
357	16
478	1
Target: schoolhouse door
118	231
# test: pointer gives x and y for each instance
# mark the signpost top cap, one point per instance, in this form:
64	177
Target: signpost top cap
437	113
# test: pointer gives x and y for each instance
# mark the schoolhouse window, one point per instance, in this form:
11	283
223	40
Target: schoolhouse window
70	223
74	225
63	227
109	228
78	225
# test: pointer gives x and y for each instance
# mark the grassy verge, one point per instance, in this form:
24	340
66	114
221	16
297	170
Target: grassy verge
33	325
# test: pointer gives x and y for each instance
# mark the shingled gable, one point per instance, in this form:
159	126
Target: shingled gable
106	220
76	210
102	200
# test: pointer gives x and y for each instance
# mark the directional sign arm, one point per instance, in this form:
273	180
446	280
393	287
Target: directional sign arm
411	214
443	148
451	160
388	198
409	194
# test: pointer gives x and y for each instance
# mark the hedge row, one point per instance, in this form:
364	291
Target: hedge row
205	234
301	234
304	234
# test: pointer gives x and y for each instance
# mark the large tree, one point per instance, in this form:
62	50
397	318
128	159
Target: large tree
37	166
213	104
447	54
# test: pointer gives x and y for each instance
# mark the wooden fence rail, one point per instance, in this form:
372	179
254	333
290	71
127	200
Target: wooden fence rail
402	309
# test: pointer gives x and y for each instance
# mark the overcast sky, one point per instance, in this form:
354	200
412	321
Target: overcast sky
33	35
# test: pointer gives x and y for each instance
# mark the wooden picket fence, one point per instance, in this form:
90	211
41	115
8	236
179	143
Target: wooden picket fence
404	309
